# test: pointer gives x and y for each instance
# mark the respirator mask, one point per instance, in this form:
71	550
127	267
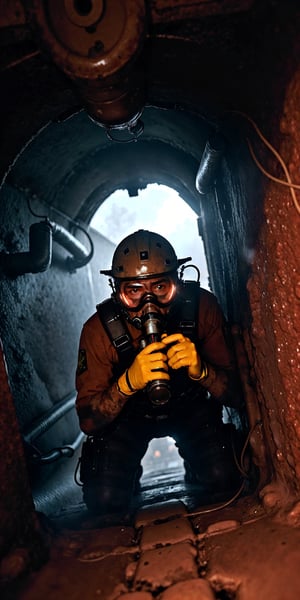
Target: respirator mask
146	303
152	326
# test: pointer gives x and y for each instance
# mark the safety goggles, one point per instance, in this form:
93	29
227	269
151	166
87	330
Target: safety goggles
132	293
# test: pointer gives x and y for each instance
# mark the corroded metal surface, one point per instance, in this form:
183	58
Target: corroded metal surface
21	543
15	497
97	46
90	45
274	294
164	10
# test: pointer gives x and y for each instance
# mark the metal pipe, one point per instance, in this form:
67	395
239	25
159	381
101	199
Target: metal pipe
39	256
43	423
81	256
99	46
208	168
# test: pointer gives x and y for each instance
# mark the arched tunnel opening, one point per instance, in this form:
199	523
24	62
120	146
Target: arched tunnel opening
206	105
84	189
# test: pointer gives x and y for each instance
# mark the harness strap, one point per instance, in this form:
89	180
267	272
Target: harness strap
184	319
184	315
115	328
189	312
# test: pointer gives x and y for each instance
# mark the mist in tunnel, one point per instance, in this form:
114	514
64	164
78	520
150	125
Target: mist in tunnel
158	208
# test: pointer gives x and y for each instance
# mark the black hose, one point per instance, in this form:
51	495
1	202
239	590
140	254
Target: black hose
42	425
51	417
57	453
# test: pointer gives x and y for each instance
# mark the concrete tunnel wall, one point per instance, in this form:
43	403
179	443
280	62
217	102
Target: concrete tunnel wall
267	313
42	315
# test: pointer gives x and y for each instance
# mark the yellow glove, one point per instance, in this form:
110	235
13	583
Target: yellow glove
183	353
148	365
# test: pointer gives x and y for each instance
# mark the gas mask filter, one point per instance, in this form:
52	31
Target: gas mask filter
152	325
145	303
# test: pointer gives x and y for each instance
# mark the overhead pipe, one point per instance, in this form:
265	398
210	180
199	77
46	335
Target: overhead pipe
98	45
209	164
39	256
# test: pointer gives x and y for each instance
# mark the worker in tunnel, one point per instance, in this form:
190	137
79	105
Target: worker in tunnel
154	360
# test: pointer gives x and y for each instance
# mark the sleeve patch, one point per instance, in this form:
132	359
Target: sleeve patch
82	362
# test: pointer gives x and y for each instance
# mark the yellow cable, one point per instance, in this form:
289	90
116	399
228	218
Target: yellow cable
292	186
241	488
206	511
295	186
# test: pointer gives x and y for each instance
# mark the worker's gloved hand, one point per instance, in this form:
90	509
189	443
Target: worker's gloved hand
148	365
183	353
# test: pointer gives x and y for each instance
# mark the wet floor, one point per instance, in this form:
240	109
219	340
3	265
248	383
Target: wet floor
173	546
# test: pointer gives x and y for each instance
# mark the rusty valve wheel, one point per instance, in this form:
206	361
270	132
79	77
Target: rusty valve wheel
98	45
89	38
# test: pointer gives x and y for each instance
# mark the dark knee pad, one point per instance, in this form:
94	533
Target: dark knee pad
110	492
105	499
210	461
108	474
110	467
113	491
114	454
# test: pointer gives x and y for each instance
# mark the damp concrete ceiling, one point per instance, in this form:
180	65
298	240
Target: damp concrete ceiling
72	163
204	54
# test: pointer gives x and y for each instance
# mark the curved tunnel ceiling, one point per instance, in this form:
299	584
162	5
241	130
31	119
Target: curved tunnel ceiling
72	165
